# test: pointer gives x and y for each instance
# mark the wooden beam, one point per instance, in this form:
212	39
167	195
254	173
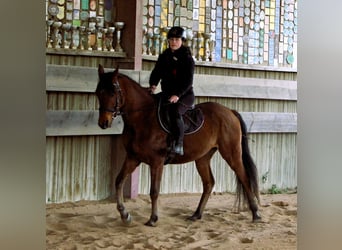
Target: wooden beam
78	122
239	66
129	12
239	87
94	53
81	122
268	122
84	79
77	79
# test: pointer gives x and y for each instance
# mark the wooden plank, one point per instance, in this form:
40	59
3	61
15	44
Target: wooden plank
238	87
77	79
70	78
227	65
76	52
84	79
241	87
78	122
268	122
62	123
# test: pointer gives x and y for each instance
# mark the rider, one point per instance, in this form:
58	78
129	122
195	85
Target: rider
175	68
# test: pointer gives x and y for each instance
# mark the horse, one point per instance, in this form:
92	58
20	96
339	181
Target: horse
146	142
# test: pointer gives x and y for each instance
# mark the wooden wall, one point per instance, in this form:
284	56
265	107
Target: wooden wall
82	160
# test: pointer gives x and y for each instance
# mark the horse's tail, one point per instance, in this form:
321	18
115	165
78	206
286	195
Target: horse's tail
249	165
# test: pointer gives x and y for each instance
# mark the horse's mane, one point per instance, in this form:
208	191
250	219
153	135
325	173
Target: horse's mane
128	77
133	81
105	83
107	79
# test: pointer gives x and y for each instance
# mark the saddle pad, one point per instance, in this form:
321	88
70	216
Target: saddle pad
193	120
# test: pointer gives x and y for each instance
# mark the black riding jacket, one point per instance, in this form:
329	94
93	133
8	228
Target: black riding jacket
175	70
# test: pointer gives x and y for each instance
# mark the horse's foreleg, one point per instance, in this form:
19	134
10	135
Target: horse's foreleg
127	168
156	175
203	168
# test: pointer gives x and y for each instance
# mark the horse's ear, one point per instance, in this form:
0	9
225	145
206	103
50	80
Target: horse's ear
100	69
116	71
115	74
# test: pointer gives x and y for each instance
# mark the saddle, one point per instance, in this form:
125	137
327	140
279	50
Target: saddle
193	119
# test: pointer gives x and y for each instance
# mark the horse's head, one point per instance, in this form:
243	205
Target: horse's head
109	94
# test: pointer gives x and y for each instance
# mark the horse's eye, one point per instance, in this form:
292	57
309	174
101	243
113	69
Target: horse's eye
99	92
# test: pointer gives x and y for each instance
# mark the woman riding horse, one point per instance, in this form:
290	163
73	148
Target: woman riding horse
223	130
175	69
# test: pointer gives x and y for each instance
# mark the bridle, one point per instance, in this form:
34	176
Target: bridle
118	104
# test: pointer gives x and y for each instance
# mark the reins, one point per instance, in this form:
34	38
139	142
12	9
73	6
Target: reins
118	104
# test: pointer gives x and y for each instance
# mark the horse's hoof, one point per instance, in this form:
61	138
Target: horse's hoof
191	218
150	223
128	220
194	218
257	219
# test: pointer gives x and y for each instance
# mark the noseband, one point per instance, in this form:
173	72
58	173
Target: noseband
116	109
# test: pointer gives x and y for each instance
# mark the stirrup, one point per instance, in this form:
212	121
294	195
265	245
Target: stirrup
178	149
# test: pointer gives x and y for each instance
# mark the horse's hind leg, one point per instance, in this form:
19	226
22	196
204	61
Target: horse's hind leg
204	170
127	168
242	176
236	164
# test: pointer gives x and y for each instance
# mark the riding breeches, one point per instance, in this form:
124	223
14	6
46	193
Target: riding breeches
177	124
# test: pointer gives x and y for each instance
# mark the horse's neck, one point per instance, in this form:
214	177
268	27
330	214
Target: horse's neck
137	100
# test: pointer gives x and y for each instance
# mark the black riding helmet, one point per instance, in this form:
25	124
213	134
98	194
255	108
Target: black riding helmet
177	32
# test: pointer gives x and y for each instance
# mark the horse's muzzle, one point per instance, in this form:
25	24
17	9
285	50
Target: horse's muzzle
105	121
104	125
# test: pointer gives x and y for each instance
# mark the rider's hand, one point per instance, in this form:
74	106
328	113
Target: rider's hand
174	99
153	89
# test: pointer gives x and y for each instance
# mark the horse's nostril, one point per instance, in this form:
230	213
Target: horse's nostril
103	125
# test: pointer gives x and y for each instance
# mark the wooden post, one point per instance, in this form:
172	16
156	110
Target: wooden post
129	12
132	186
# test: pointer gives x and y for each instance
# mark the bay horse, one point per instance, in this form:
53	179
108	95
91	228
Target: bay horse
145	141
